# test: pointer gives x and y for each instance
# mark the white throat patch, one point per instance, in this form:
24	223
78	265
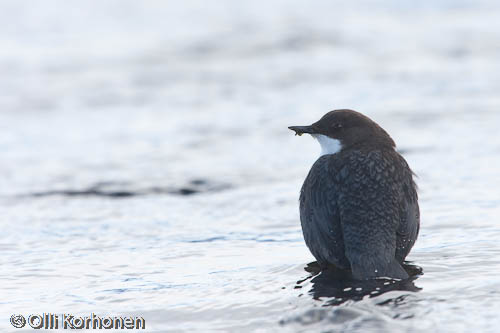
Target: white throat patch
328	145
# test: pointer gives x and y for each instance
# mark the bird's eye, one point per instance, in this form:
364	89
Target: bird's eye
337	125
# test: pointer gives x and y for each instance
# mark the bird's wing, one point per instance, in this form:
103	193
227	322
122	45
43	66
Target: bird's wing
410	217
320	216
369	201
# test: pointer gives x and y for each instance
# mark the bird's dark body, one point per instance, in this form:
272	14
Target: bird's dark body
358	205
359	211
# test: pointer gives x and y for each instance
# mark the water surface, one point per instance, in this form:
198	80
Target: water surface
148	169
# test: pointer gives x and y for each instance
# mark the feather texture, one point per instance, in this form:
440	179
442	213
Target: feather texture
359	211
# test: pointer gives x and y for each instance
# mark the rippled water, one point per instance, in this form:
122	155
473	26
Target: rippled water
148	169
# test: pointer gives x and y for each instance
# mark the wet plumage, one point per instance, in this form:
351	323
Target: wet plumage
359	206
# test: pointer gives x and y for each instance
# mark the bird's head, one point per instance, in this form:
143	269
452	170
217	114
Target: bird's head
340	129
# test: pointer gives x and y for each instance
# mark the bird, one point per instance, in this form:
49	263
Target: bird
358	204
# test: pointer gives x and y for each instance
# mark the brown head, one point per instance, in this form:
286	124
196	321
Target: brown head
340	129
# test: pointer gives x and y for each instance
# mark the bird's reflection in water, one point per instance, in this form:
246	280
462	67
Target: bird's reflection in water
339	287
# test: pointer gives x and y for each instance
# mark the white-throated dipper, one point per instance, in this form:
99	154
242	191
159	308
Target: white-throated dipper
358	205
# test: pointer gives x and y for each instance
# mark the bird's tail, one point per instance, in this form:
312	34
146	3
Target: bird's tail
371	270
394	271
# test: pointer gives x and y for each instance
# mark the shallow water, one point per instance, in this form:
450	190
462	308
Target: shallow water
148	168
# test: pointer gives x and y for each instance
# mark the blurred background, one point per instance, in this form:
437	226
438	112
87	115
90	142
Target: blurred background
147	167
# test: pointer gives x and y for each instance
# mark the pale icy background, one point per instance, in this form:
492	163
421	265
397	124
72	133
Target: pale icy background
111	110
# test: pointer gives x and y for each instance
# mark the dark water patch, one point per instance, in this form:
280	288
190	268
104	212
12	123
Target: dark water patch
198	182
90	192
182	191
397	301
338	286
116	190
207	240
194	186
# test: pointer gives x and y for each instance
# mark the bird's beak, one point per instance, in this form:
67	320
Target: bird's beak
299	130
